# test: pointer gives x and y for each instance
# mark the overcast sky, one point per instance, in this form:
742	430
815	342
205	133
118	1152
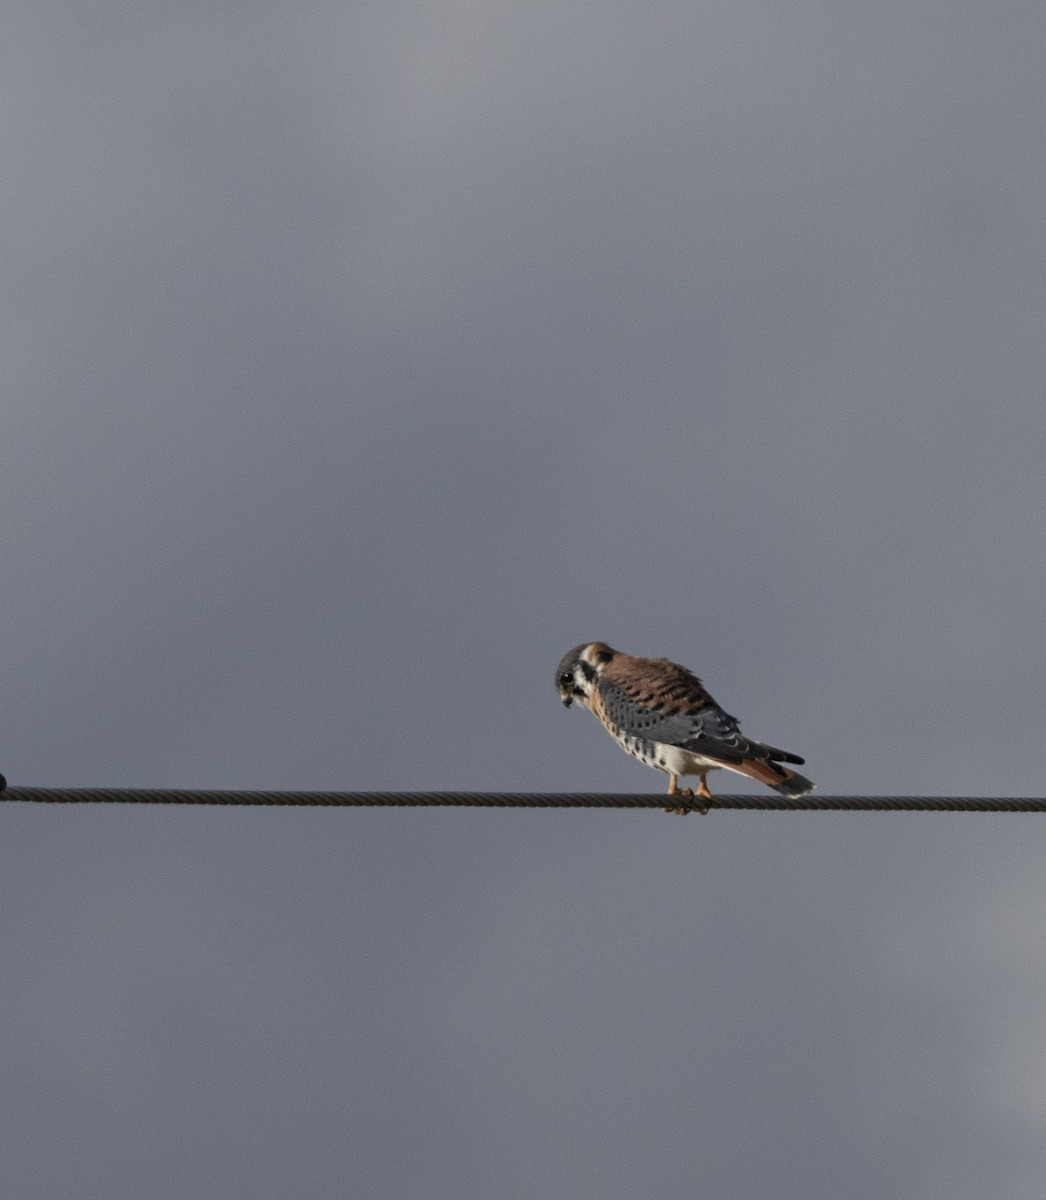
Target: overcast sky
360	359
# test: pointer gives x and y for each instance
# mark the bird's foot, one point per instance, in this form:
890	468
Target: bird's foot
681	810
702	793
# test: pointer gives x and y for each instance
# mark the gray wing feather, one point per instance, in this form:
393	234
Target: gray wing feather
708	730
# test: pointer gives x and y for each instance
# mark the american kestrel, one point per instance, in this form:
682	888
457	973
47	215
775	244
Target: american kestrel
661	714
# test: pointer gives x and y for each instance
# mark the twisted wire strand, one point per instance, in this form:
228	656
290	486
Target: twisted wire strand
768	801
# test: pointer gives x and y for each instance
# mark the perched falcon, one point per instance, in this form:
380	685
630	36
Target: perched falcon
661	714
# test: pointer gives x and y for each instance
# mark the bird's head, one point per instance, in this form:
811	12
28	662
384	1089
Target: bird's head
579	669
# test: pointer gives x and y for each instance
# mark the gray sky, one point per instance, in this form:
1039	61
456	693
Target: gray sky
357	361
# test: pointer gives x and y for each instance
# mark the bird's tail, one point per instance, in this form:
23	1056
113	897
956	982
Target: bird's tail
793	785
773	775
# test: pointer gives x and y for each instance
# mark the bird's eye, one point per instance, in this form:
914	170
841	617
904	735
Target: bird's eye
566	679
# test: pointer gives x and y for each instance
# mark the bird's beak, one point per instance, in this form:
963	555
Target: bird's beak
568	700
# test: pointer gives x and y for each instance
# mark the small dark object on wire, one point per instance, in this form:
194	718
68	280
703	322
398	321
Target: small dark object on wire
770	800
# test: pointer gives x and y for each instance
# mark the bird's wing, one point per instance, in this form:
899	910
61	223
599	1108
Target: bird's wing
663	702
708	730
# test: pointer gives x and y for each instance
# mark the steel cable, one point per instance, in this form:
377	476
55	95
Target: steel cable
767	801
